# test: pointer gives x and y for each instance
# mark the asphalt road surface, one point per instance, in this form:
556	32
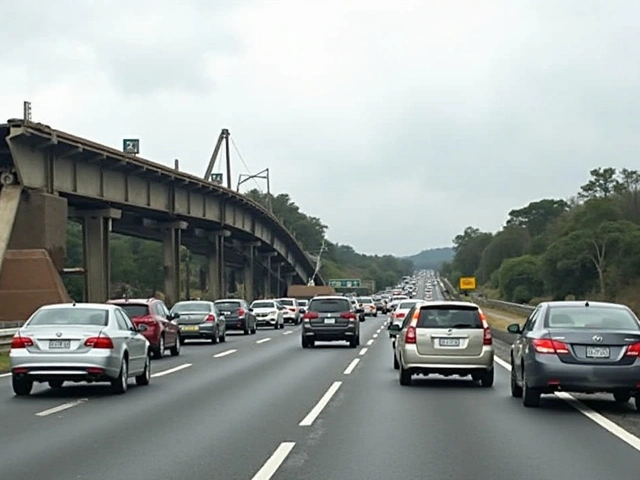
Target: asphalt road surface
249	410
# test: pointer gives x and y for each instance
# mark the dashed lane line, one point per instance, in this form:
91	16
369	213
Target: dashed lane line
322	403
363	351
351	366
171	370
61	408
264	340
271	466
225	353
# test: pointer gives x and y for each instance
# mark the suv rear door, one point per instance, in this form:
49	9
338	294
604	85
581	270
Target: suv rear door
330	312
444	330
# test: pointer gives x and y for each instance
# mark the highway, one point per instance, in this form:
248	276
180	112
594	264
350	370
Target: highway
261	407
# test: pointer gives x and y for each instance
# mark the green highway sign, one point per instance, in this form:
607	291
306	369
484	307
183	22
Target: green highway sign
345	283
131	146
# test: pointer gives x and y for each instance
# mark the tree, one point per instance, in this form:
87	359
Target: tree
536	216
602	184
520	279
468	248
512	241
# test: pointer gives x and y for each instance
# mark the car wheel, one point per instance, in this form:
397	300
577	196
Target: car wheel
216	336
175	349
530	396
21	386
145	377
247	331
56	384
516	390
396	365
121	382
159	353
487	379
375	314
353	342
622	397
276	325
223	337
405	376
254	329
305	342
637	401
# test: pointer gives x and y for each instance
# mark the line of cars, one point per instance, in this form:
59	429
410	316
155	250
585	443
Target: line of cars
113	342
563	346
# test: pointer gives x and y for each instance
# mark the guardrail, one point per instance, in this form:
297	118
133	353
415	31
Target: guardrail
6	334
521	309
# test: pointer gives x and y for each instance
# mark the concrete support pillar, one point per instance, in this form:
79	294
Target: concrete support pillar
278	282
248	273
266	278
96	227
216	269
171	242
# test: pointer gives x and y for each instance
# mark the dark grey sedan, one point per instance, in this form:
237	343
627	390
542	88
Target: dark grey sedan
199	320
576	346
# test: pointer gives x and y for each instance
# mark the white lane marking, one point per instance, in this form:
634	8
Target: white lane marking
351	366
171	370
602	421
375	335
2	375
225	353
60	408
317	410
288	332
264	340
363	351
271	466
370	342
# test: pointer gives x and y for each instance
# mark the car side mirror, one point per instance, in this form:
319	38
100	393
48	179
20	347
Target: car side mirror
514	328
173	316
394	328
303	310
142	328
359	310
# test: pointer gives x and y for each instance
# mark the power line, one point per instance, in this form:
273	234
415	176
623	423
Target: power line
235	147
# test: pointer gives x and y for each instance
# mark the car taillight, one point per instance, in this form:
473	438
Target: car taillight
348	315
210	318
98	342
487	337
548	345
633	350
399	315
310	316
21	342
410	336
241	312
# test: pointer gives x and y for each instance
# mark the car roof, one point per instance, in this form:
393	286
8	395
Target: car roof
95	306
330	297
582	303
120	301
448	303
229	300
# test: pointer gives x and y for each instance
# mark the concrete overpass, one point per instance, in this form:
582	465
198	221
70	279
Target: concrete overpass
49	176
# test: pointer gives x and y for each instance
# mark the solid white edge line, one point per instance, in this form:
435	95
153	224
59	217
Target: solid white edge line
273	463
352	366
602	421
317	410
264	340
225	353
370	342
363	351
3	375
171	370
60	408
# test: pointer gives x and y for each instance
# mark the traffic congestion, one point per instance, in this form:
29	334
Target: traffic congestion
275	389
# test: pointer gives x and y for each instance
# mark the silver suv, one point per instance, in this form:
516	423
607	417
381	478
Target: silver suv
445	338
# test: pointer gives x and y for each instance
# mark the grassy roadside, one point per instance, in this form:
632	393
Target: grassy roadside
4	362
500	320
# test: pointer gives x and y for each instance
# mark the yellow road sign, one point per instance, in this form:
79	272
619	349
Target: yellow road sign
468	283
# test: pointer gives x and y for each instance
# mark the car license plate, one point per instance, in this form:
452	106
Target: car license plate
226	313
449	342
190	329
329	320
598	352
59	344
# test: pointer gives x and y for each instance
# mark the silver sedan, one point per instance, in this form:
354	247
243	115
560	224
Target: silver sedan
79	343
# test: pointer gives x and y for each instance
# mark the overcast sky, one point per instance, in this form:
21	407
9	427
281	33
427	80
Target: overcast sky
397	123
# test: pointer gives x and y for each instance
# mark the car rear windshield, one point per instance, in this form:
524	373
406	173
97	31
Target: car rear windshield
406	305
610	318
186	307
329	305
365	300
70	316
302	303
395	298
227	305
449	316
263	305
135	310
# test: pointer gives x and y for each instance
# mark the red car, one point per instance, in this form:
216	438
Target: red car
161	332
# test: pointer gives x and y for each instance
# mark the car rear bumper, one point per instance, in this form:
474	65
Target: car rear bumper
266	321
446	364
80	367
204	331
330	334
236	323
548	372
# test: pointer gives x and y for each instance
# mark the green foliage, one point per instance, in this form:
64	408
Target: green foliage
432	258
584	247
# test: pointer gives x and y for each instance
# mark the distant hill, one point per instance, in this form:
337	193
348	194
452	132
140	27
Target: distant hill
431	258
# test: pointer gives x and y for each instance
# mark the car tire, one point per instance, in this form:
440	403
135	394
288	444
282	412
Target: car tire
216	336
396	365
120	384
145	377
516	390
622	397
55	384
159	352
530	396
487	379
637	401
404	376
353	342
276	325
305	342
21	386
254	330
223	337
175	349
375	314
247	331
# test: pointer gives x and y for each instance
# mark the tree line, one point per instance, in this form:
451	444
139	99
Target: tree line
587	246
137	264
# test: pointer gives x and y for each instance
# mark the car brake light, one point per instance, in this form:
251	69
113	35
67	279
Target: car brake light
21	342
241	312
98	342
487	337
399	315
310	316
548	345
410	336
633	350
210	318
348	315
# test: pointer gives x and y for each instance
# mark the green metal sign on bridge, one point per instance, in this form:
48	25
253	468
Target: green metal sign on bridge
345	283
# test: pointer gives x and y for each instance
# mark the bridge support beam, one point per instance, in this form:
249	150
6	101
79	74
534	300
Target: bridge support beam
171	243
249	272
96	227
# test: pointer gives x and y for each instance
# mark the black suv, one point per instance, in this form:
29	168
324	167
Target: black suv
330	319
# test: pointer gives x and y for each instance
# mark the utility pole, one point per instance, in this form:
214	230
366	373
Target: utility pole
223	137
323	247
264	175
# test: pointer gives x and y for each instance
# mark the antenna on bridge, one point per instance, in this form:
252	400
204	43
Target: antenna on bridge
323	247
209	176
